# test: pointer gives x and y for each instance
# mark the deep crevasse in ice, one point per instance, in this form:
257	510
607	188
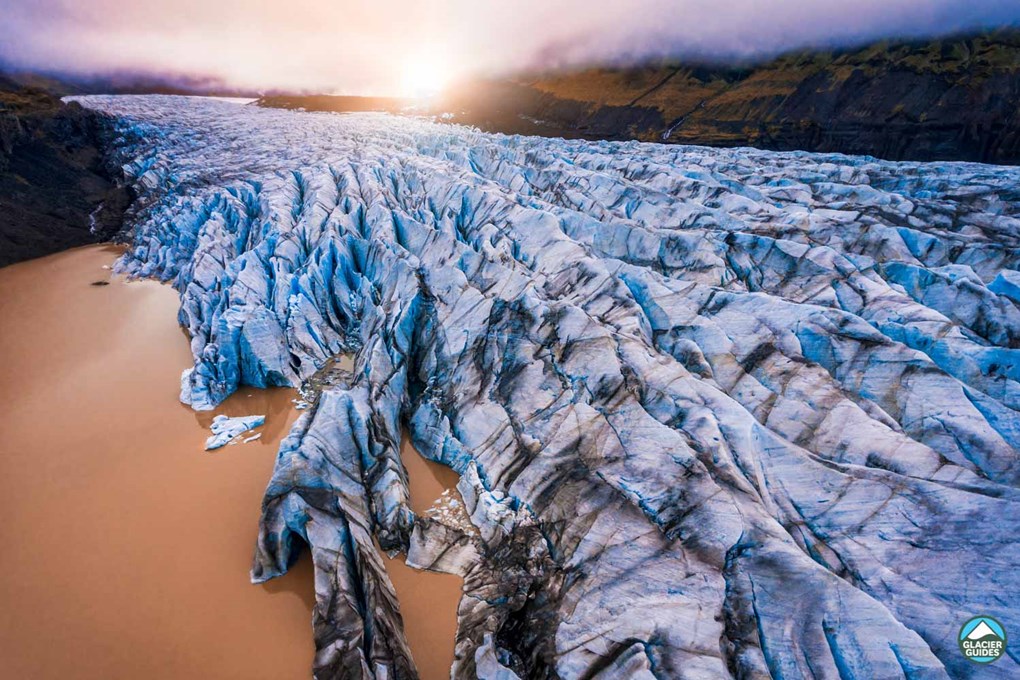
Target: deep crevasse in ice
716	412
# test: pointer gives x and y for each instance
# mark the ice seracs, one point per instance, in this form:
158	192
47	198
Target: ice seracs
716	412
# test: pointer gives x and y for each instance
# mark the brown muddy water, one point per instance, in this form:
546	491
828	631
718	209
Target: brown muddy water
125	546
428	600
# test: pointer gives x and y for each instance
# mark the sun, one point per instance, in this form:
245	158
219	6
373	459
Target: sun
424	77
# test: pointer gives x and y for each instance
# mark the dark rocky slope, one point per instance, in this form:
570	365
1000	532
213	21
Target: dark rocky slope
57	190
951	99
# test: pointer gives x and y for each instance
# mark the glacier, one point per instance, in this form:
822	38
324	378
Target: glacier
715	412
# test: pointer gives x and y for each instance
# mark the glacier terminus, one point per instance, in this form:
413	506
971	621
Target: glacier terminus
715	412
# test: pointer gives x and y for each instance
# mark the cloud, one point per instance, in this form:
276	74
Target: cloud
367	46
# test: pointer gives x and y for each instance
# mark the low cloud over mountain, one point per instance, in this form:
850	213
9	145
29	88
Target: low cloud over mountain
361	47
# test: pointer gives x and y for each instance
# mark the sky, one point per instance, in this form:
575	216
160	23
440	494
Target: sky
413	46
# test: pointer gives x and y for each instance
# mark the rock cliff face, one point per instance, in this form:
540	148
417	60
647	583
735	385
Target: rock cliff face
952	99
56	189
717	413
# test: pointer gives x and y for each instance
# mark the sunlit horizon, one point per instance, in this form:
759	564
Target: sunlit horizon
403	48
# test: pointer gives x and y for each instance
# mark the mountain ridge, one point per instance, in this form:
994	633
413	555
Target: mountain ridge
947	99
944	99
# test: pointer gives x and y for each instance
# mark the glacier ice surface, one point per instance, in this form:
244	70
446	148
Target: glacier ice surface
716	412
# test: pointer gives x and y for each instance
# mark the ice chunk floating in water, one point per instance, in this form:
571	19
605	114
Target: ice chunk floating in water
225	430
716	412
